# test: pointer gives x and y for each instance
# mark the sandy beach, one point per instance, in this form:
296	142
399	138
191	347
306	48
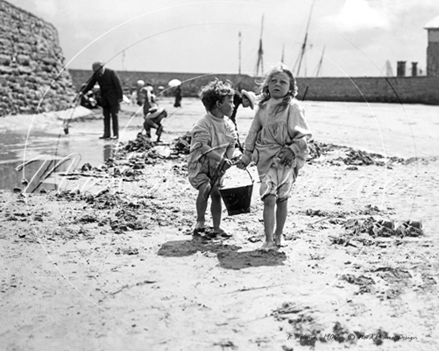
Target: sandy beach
108	262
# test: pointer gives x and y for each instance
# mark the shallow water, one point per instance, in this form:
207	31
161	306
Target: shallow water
35	160
45	149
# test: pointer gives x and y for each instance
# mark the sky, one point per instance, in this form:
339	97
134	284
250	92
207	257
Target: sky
350	37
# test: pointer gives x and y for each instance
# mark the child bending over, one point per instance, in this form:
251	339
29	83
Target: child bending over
277	141
153	119
213	140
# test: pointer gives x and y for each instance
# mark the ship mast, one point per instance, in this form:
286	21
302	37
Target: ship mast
282	55
260	52
389	69
304	45
239	52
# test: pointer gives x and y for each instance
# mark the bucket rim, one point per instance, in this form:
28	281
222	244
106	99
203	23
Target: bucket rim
241	186
236	187
249	174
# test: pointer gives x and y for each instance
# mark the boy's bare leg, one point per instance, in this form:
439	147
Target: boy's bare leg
269	221
216	208
202	203
281	215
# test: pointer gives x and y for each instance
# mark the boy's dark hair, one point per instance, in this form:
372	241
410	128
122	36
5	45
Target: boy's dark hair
215	91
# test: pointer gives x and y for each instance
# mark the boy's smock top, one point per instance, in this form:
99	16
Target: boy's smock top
270	131
219	134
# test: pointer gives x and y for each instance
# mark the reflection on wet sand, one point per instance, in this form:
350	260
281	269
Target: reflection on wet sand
108	148
35	175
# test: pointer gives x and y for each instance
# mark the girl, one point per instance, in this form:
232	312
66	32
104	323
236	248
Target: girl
277	141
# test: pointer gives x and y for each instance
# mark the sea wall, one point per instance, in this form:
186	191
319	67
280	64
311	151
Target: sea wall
32	78
422	90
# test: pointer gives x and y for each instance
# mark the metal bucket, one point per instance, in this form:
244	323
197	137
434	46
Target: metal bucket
238	199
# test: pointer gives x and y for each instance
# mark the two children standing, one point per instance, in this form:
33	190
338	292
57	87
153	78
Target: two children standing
276	142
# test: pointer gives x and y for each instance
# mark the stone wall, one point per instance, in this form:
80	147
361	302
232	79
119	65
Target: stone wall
423	89
411	90
32	75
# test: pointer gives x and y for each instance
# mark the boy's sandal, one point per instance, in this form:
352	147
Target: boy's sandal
222	233
198	229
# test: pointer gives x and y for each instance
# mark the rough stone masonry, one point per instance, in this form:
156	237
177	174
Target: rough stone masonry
33	78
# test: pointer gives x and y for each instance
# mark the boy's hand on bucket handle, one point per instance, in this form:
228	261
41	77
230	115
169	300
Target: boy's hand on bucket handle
226	163
240	164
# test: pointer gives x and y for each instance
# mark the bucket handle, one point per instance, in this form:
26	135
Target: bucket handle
250	176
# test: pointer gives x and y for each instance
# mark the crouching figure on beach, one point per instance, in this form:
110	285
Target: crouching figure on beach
153	119
213	140
153	114
277	142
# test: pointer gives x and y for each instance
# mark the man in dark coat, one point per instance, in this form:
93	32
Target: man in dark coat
111	96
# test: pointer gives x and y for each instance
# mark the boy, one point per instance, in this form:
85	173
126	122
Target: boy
213	140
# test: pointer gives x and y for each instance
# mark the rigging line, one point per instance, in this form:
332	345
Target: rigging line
318	70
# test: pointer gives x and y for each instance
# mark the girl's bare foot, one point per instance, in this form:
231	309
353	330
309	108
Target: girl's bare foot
277	239
267	246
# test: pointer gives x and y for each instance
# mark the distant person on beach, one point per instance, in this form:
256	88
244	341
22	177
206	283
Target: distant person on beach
178	96
110	96
277	142
140	97
149	99
153	120
213	140
245	99
153	114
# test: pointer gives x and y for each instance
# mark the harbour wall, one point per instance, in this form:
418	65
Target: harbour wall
413	90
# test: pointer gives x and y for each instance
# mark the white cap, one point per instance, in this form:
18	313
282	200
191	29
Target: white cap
154	112
250	96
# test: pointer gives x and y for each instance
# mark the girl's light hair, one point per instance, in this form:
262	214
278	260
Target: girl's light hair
264	87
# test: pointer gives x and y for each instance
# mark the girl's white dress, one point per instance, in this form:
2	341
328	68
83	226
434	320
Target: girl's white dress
272	131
